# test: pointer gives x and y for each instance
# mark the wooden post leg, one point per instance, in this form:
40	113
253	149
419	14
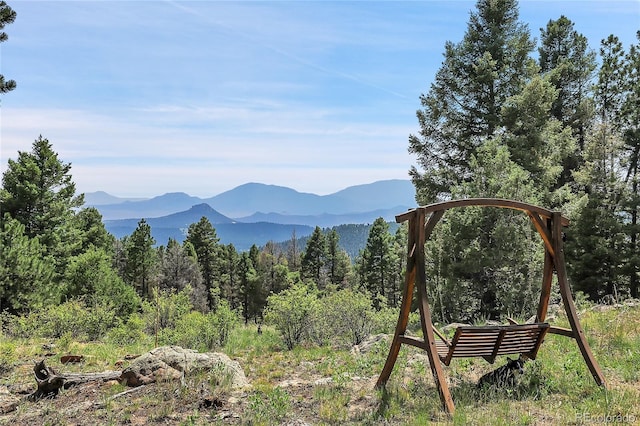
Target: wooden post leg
405	307
432	352
427	325
401	327
547	279
569	306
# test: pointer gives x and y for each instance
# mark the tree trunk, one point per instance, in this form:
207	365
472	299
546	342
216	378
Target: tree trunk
49	382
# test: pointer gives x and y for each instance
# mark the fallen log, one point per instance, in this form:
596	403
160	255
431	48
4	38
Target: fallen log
49	382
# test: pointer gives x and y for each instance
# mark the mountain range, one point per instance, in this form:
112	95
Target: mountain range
255	213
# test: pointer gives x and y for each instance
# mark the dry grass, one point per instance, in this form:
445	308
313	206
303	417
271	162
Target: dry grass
327	386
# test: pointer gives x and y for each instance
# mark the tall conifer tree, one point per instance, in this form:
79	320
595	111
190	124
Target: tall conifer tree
463	107
202	236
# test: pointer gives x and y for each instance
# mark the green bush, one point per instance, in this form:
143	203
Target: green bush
90	275
342	317
72	317
165	309
200	331
291	312
224	320
128	332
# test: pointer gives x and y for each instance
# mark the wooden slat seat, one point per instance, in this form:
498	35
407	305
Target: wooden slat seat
492	341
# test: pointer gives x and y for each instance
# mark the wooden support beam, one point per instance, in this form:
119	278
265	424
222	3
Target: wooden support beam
425	318
407	298
543	230
569	306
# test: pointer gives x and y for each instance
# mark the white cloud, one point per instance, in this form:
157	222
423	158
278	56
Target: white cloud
176	151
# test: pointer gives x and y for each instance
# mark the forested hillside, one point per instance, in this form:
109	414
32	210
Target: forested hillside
553	123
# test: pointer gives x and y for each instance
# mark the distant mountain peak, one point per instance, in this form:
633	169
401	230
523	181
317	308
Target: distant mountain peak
202	208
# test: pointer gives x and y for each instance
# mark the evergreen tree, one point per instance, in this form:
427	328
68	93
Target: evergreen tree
491	259
26	271
141	259
229	276
337	260
569	63
379	263
7	16
313	258
91	276
177	270
202	236
537	141
272	269
249	288
463	106
630	127
93	233
400	255
37	190
596	244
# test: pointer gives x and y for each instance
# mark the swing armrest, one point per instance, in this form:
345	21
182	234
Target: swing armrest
441	336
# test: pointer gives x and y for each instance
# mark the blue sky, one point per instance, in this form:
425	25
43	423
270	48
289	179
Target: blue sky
148	97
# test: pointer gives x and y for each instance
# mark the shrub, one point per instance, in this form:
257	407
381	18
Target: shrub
224	320
200	331
343	317
72	317
90	275
128	332
165	309
291	312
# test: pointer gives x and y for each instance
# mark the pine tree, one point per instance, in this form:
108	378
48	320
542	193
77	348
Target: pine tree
537	141
337	260
141	259
229	276
202	236
630	126
569	63
177	270
91	277
249	287
38	191
7	16
26	272
597	239
379	262
313	259
93	233
463	106
272	269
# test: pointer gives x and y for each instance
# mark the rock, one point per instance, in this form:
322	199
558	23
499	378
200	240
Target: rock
65	359
323	381
454	326
8	402
174	362
368	343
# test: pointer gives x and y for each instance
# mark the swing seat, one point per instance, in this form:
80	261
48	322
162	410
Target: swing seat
490	341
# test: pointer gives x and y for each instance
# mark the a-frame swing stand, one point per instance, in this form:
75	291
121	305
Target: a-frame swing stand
486	342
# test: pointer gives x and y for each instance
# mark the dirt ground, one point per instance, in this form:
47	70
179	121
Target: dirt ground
193	401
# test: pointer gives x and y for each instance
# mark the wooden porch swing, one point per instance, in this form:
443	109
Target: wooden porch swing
487	342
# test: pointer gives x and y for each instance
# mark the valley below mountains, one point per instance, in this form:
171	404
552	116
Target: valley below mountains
256	213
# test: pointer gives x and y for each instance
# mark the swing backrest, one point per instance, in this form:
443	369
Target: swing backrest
489	342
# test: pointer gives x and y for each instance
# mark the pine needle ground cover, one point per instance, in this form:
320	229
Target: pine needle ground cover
328	385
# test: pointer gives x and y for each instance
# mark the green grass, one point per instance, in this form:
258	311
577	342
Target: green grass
557	388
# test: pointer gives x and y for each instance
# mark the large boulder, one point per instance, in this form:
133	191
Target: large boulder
369	343
174	362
